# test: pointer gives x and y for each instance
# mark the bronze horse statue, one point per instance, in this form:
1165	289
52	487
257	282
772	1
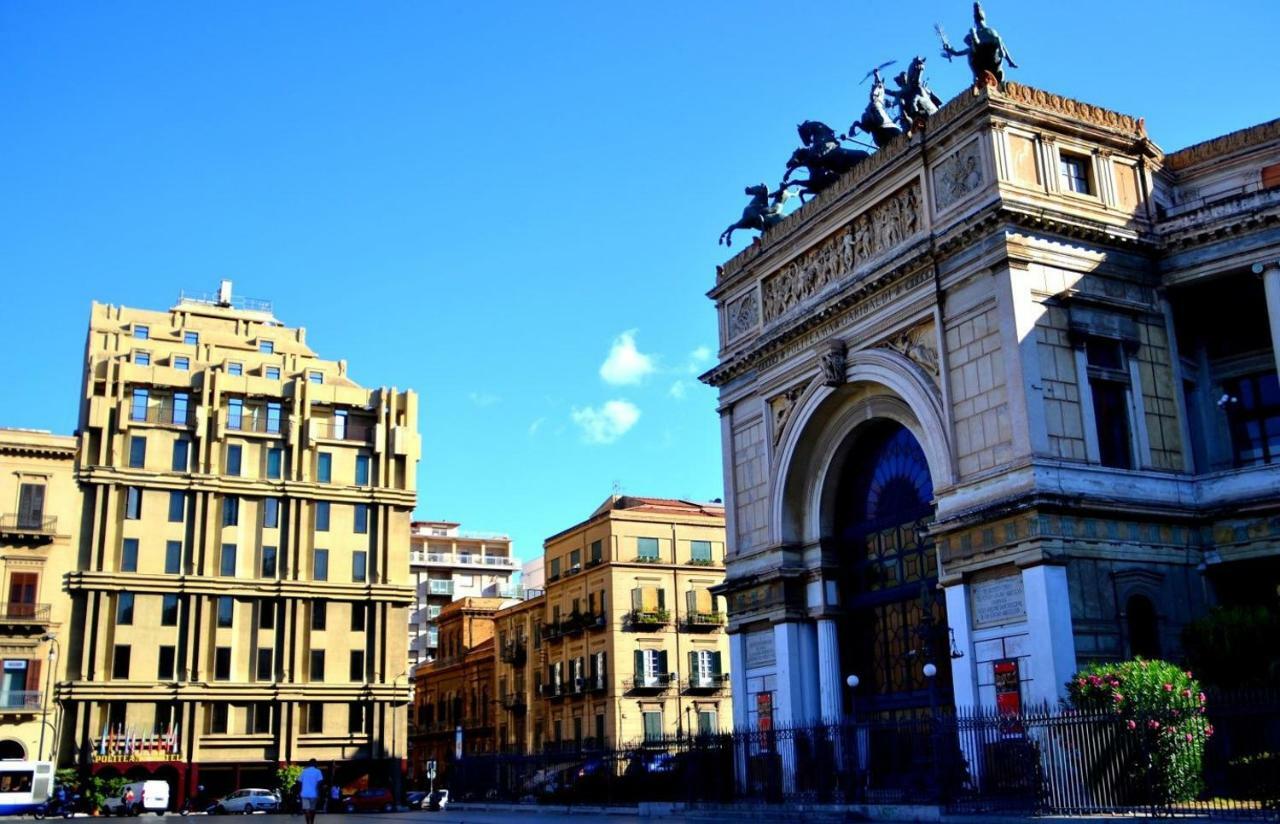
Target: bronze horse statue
764	210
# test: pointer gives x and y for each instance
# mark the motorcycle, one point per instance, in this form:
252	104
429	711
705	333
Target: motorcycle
57	807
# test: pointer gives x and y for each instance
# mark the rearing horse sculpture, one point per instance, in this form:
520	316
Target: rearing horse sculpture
764	210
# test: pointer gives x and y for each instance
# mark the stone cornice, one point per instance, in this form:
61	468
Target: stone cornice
1223	218
244	587
247	487
1216	148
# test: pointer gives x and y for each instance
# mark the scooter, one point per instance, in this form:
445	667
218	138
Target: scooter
53	808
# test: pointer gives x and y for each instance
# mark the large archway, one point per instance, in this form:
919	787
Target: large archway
895	615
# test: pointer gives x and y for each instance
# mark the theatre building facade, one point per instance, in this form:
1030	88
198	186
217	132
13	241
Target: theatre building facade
1003	401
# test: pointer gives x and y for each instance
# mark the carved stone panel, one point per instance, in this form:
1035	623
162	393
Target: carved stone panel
781	406
919	345
741	315
958	175
877	230
831	361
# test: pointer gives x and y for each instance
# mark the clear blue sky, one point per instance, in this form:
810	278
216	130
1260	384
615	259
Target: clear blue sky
480	201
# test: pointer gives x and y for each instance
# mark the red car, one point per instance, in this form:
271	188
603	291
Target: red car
372	800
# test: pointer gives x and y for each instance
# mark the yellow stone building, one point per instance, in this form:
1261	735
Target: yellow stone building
628	642
243	581
39	519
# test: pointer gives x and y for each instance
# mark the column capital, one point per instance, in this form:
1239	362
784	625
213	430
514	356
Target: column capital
1263	266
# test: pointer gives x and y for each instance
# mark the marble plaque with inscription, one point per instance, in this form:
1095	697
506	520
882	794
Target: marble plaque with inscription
759	650
998	600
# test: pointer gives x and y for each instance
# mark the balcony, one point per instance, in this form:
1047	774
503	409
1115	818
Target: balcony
515	702
165	414
649	617
597	683
17	702
340	430
440	587
704	621
35	527
24	615
258	423
469	560
707	683
574	624
594	622
660	682
514	653
594	562
553	691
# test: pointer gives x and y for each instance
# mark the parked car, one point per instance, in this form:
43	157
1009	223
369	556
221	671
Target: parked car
148	797
371	800
438	800
249	800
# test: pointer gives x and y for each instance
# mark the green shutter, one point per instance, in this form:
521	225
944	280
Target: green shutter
662	662
692	672
715	663
639	673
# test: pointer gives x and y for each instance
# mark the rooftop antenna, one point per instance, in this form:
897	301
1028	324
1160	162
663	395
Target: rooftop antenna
617	489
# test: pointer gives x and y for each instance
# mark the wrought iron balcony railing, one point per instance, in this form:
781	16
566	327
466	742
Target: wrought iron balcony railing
657	682
22	613
707	683
343	431
32	525
704	621
20	701
649	617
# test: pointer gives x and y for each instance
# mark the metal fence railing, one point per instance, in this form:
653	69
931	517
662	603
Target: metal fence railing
1053	760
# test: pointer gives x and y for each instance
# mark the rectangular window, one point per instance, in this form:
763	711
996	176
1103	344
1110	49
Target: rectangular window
141	332
319	615
1253	416
361	518
575	560
272	373
275	462
226	611
271	513
164	666
1075	173
120	661
137	452
230	511
129	555
234	454
181	449
273	417
260	716
227	562
700	552
142	358
172	557
652	725
315	377
266	665
138	405
182	363
357	665
597	552
191	338
320	565
322	516
313	717
355	718
177	506
357	617
218	718
362	470
178	412
266	347
235	368
268	562
317	665
1109	385
169	610
124	609
133	503
31	506
324	467
222	664
359	566
555	569
647	549
235	413
267	615
707	722
340	424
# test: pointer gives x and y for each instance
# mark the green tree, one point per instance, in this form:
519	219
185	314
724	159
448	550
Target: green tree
286	776
1237	646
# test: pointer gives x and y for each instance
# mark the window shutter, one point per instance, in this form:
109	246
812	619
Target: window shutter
703	598
662	598
639	663
692	672
662	662
33	675
691	601
31	504
601	666
715	663
637	598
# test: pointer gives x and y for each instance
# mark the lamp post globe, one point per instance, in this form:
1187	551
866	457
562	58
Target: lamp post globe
852	681
930	670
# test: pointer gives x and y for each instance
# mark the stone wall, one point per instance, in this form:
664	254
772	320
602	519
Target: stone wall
750	486
979	401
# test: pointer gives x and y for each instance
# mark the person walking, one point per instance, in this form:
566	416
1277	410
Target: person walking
309	790
335	798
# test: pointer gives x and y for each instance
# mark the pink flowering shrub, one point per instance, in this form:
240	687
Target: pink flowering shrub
1161	710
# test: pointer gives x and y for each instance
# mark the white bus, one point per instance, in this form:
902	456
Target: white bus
24	785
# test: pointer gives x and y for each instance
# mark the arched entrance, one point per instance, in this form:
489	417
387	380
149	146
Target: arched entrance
11	750
895	619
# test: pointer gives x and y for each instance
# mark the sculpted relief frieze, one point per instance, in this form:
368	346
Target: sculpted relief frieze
919	345
874	232
781	406
742	315
957	176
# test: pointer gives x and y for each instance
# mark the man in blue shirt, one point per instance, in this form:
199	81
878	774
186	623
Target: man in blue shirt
309	789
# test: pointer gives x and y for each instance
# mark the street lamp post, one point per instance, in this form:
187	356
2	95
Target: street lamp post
930	671
48	678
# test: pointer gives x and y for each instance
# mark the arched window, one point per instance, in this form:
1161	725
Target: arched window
1143	626
11	750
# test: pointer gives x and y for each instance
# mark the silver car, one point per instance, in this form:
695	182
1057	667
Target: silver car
250	800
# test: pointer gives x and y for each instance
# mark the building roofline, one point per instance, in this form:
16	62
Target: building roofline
1214	148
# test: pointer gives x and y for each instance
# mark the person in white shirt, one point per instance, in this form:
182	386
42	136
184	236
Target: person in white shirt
309	789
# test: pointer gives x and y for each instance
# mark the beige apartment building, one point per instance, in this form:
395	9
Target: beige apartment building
242	584
628	642
447	564
39	519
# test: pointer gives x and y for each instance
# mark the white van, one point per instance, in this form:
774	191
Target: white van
148	797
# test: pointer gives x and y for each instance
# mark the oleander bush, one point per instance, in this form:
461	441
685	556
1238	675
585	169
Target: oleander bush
1160	714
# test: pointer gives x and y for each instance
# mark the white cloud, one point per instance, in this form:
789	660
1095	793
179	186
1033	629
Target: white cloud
483	398
536	425
608	423
678	390
626	365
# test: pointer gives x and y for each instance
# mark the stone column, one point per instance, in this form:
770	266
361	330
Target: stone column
1053	644
829	681
964	676
1271	285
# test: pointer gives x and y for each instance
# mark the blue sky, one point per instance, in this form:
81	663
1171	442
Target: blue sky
512	208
